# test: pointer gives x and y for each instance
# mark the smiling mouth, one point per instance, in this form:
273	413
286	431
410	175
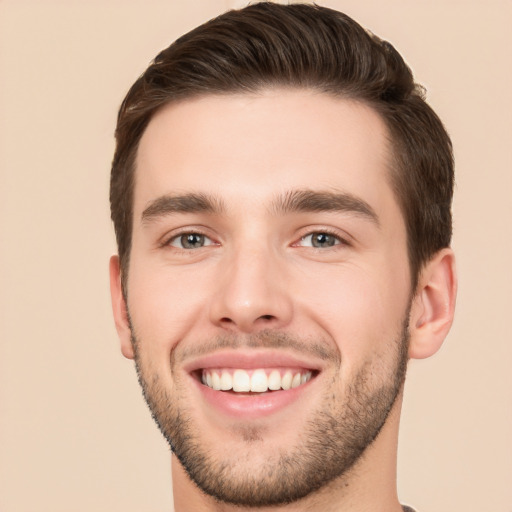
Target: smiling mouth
255	381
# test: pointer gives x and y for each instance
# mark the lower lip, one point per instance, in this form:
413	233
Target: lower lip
254	405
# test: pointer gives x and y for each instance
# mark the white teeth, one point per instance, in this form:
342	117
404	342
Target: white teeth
286	382
274	380
259	381
226	381
296	380
256	381
215	381
241	381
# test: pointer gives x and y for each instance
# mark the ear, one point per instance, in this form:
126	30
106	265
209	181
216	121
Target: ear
433	305
119	308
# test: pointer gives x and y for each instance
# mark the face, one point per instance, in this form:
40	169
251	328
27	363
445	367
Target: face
268	291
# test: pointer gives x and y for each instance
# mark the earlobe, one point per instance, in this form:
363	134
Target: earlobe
433	305
119	308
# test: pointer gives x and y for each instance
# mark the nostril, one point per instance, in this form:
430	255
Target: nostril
248	323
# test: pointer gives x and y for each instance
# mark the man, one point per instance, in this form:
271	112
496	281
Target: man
281	197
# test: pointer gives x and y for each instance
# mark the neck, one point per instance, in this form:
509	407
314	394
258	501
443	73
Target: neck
370	485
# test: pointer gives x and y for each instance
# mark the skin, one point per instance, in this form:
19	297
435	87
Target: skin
259	273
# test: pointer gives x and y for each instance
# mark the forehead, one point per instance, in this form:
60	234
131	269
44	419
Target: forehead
246	148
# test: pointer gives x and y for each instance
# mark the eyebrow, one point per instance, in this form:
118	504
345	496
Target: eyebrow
186	203
324	201
290	202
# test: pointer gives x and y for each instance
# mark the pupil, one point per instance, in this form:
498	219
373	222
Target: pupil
192	240
323	240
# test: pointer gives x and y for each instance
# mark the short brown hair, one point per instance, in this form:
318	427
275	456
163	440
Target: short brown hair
301	46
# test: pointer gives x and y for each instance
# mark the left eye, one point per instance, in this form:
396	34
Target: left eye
190	241
319	240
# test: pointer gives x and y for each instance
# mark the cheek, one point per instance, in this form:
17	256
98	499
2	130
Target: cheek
164	307
360	308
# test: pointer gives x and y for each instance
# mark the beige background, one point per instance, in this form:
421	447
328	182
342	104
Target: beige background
74	432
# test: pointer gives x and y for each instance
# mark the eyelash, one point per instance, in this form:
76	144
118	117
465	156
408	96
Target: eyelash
167	242
339	241
325	231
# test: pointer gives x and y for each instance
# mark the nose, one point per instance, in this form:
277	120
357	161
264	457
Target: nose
251	293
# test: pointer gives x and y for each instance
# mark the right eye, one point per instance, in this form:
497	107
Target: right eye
320	240
190	241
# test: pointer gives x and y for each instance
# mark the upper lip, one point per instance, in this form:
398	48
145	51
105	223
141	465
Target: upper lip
253	359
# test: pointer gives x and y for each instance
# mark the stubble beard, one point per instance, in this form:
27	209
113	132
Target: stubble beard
335	437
